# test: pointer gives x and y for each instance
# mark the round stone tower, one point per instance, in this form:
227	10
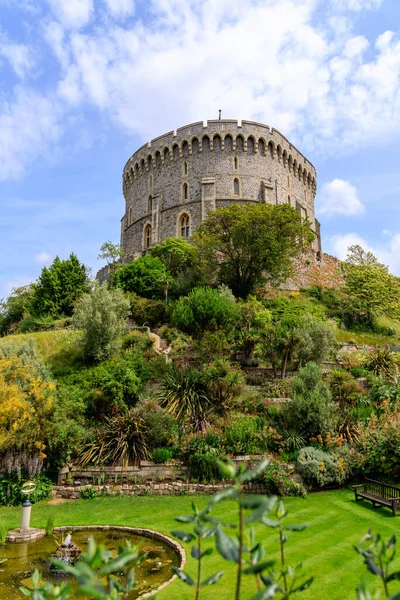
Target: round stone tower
172	183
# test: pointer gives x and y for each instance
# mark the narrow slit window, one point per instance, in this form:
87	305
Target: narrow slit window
236	163
150	204
147	236
185	191
185	168
236	187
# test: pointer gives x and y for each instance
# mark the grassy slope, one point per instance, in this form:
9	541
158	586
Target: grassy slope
58	348
335	523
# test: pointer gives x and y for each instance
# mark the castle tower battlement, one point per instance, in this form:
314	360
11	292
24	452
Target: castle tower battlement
171	183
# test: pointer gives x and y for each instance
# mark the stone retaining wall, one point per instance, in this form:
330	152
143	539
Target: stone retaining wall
145	472
176	488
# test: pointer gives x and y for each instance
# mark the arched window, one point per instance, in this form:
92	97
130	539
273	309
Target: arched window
184	225
150	204
185	191
236	187
185	168
147	236
235	162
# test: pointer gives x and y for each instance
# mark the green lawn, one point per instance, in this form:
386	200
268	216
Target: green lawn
335	522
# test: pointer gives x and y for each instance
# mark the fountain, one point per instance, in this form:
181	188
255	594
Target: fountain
18	561
68	552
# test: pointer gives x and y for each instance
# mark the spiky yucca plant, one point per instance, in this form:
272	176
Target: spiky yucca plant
119	440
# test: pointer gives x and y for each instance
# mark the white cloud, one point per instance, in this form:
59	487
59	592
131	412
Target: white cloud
73	14
43	258
7	287
19	56
328	90
339	197
315	83
387	253
121	8
356	4
29	124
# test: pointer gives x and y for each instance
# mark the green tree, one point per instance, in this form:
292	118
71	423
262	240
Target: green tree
254	321
112	254
145	276
176	254
13	308
371	288
251	244
102	315
59	286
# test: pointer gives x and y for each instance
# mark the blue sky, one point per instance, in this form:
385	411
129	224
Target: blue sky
83	83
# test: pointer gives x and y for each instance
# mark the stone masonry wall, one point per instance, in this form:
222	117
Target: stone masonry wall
145	471
193	170
176	488
168	479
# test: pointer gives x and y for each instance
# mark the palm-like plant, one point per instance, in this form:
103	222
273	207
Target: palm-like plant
119	440
224	382
185	396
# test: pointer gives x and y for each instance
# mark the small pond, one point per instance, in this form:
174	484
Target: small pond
18	561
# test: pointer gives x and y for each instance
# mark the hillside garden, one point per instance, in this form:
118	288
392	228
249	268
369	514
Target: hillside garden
194	353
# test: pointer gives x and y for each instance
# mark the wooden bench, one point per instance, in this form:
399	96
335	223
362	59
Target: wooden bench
378	493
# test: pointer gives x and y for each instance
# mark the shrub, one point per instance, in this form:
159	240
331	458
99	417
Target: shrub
185	396
311	411
161	427
319	468
213	344
111	386
207	442
204	309
380	444
37	323
102	315
224	382
244	436
384	364
88	493
145	311
316	339
138	340
162	455
359	372
204	468
280	483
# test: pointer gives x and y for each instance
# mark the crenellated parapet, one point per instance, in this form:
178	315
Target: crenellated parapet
172	183
227	136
